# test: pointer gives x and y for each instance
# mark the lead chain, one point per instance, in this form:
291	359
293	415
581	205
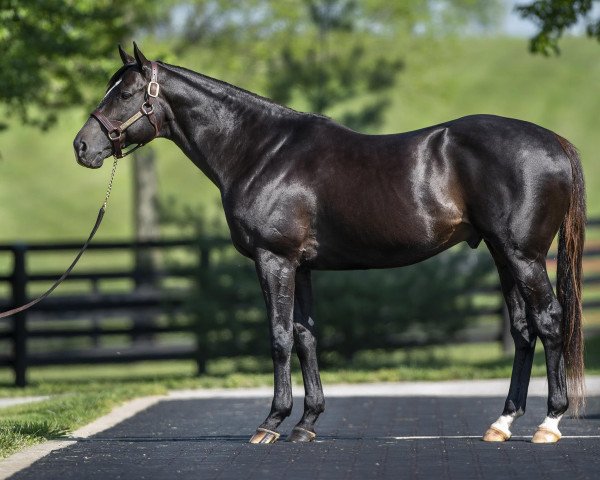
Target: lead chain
110	183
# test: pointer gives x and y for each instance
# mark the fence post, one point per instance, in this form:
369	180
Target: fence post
19	297
203	265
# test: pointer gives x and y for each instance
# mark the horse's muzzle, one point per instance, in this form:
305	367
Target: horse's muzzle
82	154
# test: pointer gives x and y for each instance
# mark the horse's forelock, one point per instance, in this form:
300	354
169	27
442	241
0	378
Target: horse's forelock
118	74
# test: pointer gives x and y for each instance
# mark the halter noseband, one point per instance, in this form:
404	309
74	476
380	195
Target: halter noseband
115	129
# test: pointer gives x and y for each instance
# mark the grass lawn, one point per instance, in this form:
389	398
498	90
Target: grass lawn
44	194
80	394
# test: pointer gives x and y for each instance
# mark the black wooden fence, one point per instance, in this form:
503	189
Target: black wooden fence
37	323
60	316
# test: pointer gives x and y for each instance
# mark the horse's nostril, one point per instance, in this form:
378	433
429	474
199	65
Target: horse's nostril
82	146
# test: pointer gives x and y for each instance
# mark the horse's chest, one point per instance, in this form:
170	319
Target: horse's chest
275	221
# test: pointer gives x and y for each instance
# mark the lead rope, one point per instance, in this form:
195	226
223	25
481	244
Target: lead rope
13	311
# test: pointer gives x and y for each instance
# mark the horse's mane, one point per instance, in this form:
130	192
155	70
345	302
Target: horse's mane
191	74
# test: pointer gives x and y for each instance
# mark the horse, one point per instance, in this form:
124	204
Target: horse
301	192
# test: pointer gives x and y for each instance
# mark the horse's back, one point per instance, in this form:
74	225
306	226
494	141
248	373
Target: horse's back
403	198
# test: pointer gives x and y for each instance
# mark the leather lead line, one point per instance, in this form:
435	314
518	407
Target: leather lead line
152	91
101	212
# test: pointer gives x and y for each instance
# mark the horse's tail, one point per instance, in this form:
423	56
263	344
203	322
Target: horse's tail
568	286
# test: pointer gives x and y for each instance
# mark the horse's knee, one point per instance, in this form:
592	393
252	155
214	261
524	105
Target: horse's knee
281	347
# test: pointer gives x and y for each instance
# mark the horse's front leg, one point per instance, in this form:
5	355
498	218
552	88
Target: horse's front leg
306	348
276	275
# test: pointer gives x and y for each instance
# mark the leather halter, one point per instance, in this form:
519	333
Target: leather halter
115	129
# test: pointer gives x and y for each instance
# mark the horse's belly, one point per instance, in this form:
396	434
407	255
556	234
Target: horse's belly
340	252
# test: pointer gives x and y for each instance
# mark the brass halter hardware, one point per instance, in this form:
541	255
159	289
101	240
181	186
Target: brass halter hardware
115	130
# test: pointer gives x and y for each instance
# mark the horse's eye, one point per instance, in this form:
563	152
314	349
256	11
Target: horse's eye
125	95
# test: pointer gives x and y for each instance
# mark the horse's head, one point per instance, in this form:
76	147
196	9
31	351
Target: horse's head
130	113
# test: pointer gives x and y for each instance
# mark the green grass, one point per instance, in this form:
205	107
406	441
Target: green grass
499	76
45	195
25	425
80	394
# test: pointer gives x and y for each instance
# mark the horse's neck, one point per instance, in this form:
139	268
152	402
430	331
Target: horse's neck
222	129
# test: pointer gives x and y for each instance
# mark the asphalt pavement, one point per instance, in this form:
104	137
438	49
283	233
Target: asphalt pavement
358	437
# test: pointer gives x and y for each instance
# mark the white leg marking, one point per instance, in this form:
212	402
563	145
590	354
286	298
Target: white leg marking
503	424
551	424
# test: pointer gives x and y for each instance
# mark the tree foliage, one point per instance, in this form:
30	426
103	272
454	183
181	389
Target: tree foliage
355	310
554	17
333	64
319	55
53	49
315	53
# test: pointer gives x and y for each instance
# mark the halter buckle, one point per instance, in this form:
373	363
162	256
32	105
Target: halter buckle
153	89
112	136
147	108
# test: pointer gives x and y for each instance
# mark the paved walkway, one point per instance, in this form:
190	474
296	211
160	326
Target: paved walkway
359	437
11	401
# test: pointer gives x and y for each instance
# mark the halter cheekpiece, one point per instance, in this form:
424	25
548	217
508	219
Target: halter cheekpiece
115	129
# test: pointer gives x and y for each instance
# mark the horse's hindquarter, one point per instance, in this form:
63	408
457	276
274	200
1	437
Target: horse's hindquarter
516	179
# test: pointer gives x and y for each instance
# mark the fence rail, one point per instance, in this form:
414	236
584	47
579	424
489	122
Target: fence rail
51	319
20	280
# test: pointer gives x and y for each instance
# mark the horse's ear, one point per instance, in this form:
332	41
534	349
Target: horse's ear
141	60
127	59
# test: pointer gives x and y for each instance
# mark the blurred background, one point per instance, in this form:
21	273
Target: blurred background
162	287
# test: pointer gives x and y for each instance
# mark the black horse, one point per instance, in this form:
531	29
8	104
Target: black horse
301	192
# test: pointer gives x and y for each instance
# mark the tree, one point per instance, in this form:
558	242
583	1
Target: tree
320	55
332	64
555	16
53	49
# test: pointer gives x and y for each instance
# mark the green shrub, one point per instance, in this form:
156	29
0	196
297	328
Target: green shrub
354	310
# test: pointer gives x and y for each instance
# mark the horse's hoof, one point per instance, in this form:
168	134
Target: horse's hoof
263	435
494	434
300	434
543	435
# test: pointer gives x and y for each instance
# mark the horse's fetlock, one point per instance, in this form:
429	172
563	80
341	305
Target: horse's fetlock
558	408
283	410
315	404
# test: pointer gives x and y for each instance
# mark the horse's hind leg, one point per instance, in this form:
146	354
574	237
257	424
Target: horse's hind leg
546	312
306	348
545	315
524	338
